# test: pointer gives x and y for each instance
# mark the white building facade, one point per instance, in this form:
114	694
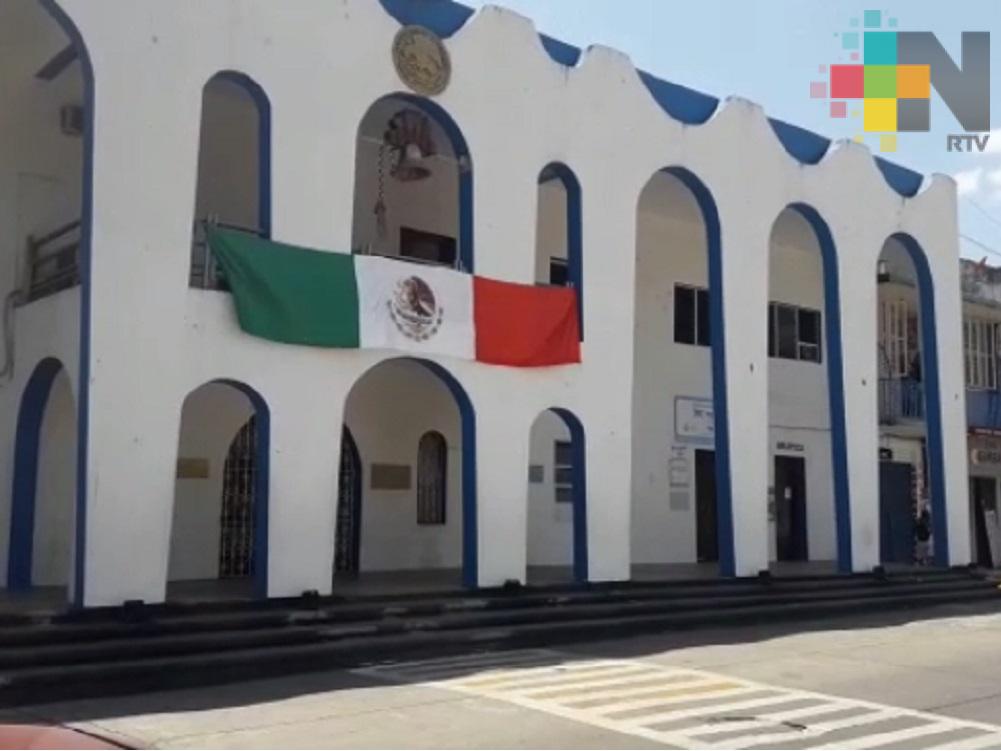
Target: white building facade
726	407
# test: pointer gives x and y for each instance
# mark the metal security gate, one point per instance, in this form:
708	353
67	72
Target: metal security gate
347	546
236	529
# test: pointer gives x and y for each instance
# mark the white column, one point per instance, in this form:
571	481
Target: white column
745	251
304	466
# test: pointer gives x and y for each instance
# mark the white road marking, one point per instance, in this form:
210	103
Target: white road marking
598	692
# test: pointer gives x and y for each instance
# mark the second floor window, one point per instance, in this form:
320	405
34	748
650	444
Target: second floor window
563	471
898	339
794	332
691	315
980	340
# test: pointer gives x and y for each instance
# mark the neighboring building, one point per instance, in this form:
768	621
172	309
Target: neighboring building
728	402
903	424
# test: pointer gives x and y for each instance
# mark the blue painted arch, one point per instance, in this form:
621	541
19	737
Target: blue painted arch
721	425
63	20
262	482
575	230
263	106
464	160
835	380
578	449
27	447
932	393
467	422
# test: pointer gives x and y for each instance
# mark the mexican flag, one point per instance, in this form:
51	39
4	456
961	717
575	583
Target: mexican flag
302	296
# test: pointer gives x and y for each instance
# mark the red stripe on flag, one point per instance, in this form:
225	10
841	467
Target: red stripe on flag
524	325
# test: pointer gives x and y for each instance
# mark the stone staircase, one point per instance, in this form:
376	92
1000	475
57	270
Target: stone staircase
145	648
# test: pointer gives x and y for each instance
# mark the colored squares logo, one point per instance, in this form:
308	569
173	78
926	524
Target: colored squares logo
894	97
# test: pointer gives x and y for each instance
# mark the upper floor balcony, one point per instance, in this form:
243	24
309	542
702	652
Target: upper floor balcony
983	409
901	401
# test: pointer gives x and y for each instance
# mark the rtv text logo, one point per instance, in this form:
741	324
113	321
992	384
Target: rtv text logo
895	75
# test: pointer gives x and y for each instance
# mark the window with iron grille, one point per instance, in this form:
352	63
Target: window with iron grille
898	339
563	471
432	470
980	340
794	332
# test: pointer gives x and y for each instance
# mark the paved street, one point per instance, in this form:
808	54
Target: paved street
874	682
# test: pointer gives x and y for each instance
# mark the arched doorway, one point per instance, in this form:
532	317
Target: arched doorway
414	425
809	514
218	541
43	510
681	508
557	500
413	184
347	547
912	469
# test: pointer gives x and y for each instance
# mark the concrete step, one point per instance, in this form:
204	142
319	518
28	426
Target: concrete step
326	625
303	651
155	621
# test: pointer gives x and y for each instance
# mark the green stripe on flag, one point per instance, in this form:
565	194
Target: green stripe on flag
289	294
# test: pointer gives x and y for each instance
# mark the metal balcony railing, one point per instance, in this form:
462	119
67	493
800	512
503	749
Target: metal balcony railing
53	261
900	400
205	271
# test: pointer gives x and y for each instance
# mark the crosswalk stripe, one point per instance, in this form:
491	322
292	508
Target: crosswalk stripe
582	679
624	686
661	717
989	740
528	676
684	707
893	736
868	718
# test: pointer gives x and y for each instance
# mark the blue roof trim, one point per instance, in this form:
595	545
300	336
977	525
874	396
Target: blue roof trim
681	103
802	144
561	52
445	17
905	181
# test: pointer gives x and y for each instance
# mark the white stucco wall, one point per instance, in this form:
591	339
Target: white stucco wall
152	335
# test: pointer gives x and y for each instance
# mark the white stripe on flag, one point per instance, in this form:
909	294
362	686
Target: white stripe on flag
414	308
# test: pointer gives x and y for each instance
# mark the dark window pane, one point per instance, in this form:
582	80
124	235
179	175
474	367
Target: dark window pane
563	453
564	494
684	315
786	316
771	329
702	317
809	335
563	476
427	246
558	274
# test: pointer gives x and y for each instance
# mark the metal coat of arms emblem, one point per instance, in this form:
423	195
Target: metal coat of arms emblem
421	60
414	309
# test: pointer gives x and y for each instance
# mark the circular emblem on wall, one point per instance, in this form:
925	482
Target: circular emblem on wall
414	309
421	60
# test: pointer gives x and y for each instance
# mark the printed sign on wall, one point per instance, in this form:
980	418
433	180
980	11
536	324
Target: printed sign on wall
694	420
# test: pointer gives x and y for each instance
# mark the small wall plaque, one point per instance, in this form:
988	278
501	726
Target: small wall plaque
192	469
421	60
390	477
536	473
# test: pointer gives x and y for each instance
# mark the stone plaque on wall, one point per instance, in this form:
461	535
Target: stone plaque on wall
189	468
390	477
536	473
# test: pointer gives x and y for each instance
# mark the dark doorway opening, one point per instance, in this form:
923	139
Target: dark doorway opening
347	546
896	512
236	524
983	502
707	543
790	508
